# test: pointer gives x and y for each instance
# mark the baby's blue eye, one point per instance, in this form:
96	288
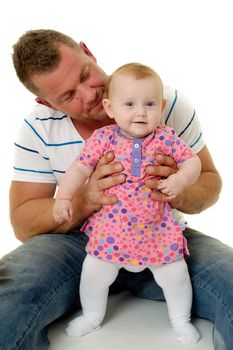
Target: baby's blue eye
150	104
129	104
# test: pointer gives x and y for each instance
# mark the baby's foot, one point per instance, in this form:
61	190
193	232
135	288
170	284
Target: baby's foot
80	326
187	333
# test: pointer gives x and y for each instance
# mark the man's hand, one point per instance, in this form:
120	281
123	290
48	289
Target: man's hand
106	175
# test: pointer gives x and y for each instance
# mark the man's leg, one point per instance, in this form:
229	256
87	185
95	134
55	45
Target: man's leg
39	282
210	265
211	268
97	276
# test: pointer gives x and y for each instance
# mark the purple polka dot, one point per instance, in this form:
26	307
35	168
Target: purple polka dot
145	259
168	143
100	247
116	247
115	211
134	219
174	246
110	240
161	137
110	215
114	142
96	252
109	257
124	210
121	259
163	224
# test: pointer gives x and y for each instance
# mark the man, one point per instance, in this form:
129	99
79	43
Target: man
39	280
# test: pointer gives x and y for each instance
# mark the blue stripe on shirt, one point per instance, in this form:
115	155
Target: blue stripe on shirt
51	144
196	140
29	150
60	118
59	171
187	126
33	171
172	107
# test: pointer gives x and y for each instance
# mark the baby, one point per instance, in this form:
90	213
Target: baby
136	232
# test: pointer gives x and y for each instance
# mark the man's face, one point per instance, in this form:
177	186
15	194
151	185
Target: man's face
76	87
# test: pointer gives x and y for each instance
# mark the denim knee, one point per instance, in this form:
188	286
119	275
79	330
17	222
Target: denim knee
39	282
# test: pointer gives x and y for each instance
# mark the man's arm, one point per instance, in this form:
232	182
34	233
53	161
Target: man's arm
31	204
198	197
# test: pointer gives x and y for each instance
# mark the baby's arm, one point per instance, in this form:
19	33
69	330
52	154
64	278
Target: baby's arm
74	178
188	173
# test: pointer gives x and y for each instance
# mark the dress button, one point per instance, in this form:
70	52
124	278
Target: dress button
136	145
135	160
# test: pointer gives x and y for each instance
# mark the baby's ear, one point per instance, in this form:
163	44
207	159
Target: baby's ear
108	107
163	104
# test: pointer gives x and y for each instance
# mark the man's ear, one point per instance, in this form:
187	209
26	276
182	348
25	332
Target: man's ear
108	108
44	102
87	51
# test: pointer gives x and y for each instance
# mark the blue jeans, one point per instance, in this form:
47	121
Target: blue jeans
39	282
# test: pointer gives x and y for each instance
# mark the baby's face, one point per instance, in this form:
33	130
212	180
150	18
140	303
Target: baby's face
136	104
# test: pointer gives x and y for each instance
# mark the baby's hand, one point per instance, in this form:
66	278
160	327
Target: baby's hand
62	210
172	186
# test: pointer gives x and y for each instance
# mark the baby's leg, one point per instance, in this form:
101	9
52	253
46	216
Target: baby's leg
174	280
97	276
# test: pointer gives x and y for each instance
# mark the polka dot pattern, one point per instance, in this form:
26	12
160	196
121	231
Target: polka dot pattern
136	231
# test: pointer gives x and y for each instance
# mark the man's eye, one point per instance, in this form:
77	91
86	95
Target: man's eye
85	76
69	96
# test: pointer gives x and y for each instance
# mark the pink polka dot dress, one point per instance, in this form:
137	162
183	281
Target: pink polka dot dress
137	230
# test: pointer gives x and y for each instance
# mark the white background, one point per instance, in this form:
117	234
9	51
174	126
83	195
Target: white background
189	42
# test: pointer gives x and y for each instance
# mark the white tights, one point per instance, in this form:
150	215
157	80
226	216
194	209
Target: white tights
98	275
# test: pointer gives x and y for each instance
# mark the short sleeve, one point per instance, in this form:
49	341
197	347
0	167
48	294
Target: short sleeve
93	149
179	150
31	163
180	115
